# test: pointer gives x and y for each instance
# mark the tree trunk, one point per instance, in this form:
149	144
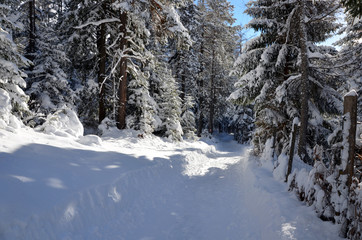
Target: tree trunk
304	84
32	30
201	93
101	45
122	91
183	87
291	151
201	115
350	113
212	95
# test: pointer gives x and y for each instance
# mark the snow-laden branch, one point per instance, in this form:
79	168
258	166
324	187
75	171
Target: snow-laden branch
97	23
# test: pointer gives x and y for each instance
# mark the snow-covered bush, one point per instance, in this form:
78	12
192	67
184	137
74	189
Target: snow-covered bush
63	122
11	62
188	120
7	119
241	123
325	188
107	126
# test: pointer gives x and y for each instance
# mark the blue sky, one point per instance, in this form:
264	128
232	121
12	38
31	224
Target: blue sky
241	17
239	8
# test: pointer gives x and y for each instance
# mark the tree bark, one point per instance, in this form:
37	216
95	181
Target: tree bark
291	151
183	87
212	95
350	112
122	90
101	45
304	84
201	92
201	103
32	30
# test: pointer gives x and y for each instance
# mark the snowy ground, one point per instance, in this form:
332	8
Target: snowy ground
124	187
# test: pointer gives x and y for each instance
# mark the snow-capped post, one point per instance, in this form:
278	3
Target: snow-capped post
291	149
349	135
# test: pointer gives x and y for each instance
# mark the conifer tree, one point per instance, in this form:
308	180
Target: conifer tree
168	101
274	64
350	58
11	61
48	85
216	58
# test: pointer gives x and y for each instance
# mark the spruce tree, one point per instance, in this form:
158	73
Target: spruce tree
48	85
350	58
218	42
11	61
277	62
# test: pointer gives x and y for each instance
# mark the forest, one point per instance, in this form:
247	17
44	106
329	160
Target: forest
182	69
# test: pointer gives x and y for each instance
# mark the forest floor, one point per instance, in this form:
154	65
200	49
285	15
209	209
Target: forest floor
121	186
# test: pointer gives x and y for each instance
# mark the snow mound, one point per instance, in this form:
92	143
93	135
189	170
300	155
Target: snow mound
351	93
281	168
7	120
63	123
90	140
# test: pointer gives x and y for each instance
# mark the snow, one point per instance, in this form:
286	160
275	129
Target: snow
121	186
351	93
64	123
7	120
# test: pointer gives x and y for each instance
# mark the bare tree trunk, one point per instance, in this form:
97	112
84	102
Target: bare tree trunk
122	91
101	45
304	83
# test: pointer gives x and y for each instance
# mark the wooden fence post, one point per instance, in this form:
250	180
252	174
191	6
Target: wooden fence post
350	112
291	150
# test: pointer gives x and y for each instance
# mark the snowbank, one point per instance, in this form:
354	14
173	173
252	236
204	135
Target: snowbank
7	120
64	123
131	187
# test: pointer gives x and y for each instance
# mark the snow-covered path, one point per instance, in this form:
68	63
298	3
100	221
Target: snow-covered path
144	189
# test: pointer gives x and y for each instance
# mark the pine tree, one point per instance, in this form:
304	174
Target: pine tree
188	118
168	101
83	27
272	70
350	58
216	58
11	61
185	65
353	7
165	23
142	106
48	85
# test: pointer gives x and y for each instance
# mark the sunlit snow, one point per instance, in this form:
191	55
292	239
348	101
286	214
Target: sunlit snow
121	186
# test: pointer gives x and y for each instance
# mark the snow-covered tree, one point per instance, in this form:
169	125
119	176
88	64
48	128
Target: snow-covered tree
218	42
272	72
168	100
80	27
142	107
48	85
188	118
135	17
11	61
353	7
350	58
186	66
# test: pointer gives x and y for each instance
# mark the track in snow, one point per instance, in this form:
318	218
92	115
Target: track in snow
215	192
